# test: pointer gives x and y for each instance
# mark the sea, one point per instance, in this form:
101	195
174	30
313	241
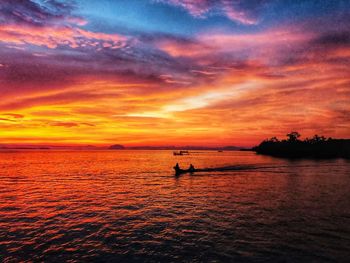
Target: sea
127	206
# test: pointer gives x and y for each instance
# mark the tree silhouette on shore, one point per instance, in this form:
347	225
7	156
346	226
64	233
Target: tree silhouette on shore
293	136
316	147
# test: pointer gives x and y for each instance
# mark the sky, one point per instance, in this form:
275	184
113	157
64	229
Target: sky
173	72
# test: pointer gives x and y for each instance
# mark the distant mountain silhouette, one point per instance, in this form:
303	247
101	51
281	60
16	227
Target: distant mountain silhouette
231	148
49	147
187	148
317	147
116	147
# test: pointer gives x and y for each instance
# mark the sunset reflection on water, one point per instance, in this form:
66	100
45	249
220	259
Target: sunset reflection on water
127	205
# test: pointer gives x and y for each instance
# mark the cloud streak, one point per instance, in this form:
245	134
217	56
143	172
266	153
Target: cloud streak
243	12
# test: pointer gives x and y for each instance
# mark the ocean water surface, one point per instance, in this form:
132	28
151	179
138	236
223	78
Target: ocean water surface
127	206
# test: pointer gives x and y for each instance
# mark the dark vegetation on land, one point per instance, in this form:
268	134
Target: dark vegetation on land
316	147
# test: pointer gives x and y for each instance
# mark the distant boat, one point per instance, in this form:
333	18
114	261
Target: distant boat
220	151
181	153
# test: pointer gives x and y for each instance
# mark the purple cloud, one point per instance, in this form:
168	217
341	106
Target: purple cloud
243	12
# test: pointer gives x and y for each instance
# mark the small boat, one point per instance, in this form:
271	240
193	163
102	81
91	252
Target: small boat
184	171
179	171
191	169
177	153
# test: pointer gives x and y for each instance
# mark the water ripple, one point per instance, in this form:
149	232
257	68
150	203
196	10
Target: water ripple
124	206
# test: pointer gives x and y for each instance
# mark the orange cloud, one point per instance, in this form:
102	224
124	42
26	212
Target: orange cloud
243	107
184	49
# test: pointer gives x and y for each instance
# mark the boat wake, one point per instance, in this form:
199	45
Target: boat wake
239	168
179	171
227	168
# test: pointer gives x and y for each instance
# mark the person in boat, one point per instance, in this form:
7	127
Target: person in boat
177	168
191	169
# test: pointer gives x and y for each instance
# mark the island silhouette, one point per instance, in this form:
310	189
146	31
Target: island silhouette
293	147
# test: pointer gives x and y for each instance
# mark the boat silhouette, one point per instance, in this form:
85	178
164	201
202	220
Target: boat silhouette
191	169
181	153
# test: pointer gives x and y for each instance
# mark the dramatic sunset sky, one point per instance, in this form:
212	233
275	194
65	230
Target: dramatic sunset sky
173	72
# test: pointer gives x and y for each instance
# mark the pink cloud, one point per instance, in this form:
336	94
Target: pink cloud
202	8
52	37
237	15
267	47
197	8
